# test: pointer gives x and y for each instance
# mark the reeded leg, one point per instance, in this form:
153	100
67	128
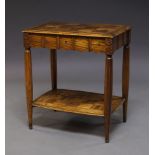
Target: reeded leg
108	95
53	57
29	85
125	80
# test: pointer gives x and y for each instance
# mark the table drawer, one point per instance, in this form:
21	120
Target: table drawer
101	45
74	43
66	43
81	44
50	42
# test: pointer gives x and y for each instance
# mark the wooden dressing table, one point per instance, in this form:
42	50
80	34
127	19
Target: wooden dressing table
103	38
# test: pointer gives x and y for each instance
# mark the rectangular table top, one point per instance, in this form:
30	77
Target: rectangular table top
74	29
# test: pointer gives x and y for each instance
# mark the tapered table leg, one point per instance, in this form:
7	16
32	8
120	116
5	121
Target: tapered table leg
108	95
125	79
29	85
53	57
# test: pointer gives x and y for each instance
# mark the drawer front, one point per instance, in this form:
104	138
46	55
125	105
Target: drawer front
81	44
101	45
66	43
74	43
50	42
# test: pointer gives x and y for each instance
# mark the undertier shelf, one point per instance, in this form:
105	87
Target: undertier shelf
73	101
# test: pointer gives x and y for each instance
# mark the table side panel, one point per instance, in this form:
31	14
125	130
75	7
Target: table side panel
121	40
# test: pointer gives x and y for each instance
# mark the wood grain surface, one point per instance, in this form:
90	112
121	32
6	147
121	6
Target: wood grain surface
76	29
76	102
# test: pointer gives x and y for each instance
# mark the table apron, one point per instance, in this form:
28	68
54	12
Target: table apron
83	44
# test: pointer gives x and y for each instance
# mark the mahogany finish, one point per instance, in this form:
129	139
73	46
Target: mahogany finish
103	38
